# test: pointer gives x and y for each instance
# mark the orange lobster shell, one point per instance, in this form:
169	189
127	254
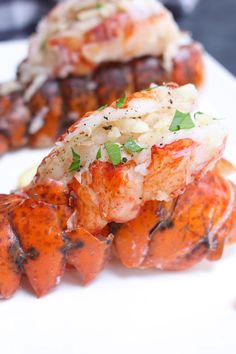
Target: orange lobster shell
35	238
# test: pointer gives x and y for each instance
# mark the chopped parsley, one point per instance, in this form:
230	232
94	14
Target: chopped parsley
99	153
132	146
99	6
181	121
102	107
114	153
120	101
75	165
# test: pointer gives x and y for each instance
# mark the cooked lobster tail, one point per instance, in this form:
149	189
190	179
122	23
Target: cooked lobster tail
39	120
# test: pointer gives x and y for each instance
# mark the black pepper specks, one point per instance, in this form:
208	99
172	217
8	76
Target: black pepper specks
107	127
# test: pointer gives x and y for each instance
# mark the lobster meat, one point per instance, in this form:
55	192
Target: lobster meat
86	54
153	195
155	162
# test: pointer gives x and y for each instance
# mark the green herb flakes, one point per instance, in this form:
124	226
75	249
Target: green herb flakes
132	146
120	101
99	154
99	6
114	153
181	121
75	165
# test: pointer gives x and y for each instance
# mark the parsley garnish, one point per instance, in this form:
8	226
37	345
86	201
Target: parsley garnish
99	154
181	121
132	146
99	6
102	107
75	165
114	153
120	101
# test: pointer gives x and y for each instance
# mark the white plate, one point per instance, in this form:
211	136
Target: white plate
125	311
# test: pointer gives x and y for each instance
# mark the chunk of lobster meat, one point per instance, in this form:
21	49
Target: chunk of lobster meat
118	190
167	174
88	253
87	213
38	229
188	65
114	193
11	259
46	107
176	237
174	166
